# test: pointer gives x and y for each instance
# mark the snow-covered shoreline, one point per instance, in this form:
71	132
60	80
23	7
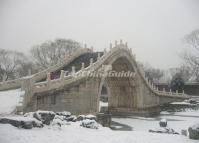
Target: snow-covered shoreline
76	134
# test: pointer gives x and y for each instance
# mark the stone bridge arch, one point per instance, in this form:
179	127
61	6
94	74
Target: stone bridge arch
121	89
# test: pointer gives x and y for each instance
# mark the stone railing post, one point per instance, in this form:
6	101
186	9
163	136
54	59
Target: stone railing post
111	46
85	46
98	56
62	75
29	72
130	49
151	84
48	79
91	61
83	66
121	42
115	43
92	48
73	70
163	89
105	51
170	91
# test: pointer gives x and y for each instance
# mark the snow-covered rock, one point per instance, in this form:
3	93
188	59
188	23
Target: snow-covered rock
44	116
194	132
163	123
80	117
29	114
184	132
21	122
91	117
64	113
165	130
193	101
59	121
90	124
72	118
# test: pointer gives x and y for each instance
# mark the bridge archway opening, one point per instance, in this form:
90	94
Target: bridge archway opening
122	88
103	99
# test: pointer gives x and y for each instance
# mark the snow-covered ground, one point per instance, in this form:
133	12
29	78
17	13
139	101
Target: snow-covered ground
74	133
9	100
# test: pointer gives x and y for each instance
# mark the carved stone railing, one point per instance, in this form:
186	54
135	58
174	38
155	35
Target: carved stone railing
155	89
40	87
13	84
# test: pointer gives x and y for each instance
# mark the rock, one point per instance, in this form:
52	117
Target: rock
27	125
64	113
44	116
163	123
72	118
192	101
37	124
91	117
59	121
21	122
80	117
164	130
194	132
184	132
13	122
87	123
29	114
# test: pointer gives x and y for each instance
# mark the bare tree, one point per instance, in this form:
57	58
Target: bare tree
153	74
192	58
50	52
10	63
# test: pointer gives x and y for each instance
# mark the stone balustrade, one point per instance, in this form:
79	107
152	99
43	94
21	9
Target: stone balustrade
100	61
13	84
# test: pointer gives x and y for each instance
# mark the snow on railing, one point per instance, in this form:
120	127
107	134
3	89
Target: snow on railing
155	88
11	84
100	61
39	87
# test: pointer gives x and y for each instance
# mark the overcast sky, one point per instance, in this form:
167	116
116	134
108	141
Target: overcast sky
154	29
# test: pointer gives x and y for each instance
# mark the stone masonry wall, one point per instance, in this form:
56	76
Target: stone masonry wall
78	99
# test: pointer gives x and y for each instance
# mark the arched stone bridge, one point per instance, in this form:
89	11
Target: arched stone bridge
80	94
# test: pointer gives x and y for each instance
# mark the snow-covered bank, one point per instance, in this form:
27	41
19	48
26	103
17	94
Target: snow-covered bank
76	134
9	100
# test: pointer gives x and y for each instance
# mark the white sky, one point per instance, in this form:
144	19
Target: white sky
153	28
